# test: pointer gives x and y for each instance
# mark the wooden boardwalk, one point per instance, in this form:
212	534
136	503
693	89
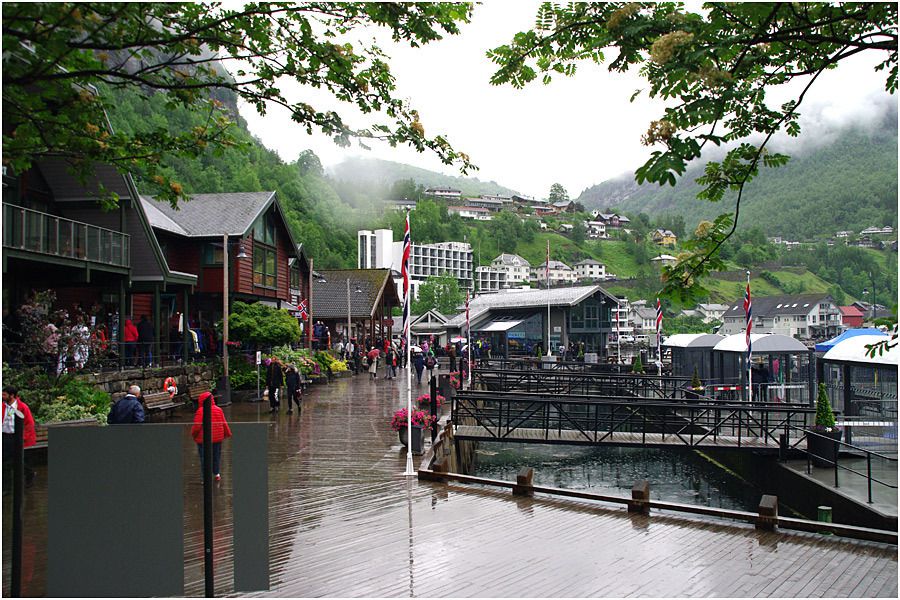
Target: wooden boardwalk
344	522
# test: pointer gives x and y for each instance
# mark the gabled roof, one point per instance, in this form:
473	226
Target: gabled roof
589	261
569	296
713	307
554	264
512	260
329	294
851	311
206	215
665	257
763	343
430	316
562	204
769	306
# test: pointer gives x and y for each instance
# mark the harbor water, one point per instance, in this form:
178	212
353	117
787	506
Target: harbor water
675	475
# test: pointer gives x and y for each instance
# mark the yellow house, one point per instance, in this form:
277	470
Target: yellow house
664	237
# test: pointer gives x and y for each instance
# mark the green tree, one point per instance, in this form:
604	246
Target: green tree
260	324
506	228
201	56
579	232
441	293
714	68
558	193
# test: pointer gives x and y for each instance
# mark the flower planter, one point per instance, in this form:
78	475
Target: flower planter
693	394
822	448
417	439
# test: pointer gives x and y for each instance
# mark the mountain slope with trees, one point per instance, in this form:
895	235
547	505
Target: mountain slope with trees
848	184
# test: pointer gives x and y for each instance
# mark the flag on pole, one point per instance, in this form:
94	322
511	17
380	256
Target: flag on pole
748	311
548	263
658	322
304	310
404	271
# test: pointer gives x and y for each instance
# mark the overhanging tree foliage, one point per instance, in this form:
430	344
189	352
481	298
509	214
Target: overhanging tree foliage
197	54
260	324
438	292
715	67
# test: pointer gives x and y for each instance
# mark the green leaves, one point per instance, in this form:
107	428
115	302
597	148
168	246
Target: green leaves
56	54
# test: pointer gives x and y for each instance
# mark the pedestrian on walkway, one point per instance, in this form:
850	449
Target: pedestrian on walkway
372	358
275	381
127	409
12	403
294	383
451	352
220	431
145	340
419	365
130	342
430	364
390	358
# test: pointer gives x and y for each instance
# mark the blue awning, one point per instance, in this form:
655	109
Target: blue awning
826	346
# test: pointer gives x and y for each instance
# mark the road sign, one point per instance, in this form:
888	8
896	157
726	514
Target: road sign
258	357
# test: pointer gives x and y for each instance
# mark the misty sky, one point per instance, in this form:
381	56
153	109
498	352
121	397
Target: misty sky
577	131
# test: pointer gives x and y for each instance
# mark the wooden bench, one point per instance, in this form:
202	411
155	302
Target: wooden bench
159	402
41	430
194	391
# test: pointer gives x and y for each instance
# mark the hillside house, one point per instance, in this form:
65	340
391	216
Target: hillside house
851	317
664	260
490	279
590	270
566	228
560	274
489	203
566	206
470	212
443	193
712	312
664	237
517	268
805	316
596	230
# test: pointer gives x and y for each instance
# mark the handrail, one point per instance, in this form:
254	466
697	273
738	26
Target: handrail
52	235
836	462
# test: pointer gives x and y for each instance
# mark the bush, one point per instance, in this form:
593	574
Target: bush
637	366
824	414
302	359
261	324
242	375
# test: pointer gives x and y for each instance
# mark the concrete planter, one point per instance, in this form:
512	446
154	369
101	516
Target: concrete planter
417	439
823	448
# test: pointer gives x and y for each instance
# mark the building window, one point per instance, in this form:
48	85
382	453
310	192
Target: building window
295	277
264	271
212	255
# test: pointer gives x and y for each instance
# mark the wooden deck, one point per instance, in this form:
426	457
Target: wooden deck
344	522
618	438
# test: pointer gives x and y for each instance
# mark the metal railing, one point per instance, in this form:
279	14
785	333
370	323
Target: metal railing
583	383
588	420
42	233
835	464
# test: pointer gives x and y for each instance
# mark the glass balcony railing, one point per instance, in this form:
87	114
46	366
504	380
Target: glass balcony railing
34	231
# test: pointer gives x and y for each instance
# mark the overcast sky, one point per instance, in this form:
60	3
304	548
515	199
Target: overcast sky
577	131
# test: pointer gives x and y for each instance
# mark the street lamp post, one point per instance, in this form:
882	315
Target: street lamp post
358	291
225	395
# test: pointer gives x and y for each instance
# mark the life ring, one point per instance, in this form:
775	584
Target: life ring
171	386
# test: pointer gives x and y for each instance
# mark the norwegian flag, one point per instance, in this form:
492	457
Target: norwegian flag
468	327
749	313
404	270
304	311
658	321
548	263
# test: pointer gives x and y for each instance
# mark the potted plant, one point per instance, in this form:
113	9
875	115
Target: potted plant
637	366
822	438
696	390
420	420
425	401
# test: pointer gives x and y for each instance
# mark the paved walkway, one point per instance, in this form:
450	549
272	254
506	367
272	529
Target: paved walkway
345	522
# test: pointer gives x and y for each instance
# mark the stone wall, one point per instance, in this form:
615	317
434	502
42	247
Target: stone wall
116	383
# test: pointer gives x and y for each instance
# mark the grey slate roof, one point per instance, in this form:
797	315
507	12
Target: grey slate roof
209	214
588	261
329	296
554	264
568	296
512	260
769	306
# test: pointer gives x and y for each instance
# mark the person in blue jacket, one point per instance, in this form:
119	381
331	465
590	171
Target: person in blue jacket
127	409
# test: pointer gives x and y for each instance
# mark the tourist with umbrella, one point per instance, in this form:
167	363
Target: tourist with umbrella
372	358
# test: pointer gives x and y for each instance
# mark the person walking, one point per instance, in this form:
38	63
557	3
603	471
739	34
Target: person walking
145	340
390	357
430	364
130	342
12	403
220	431
127	409
275	381
294	383
372	357
451	352
419	365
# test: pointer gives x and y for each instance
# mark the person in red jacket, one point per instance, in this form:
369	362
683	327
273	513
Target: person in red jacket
11	403
220	431
130	337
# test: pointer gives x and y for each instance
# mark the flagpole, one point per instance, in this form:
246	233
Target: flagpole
549	350
468	345
749	343
659	336
407	244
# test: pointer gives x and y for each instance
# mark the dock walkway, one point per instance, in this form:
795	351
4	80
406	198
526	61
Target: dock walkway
344	522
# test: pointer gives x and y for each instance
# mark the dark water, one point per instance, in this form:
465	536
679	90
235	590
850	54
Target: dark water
674	475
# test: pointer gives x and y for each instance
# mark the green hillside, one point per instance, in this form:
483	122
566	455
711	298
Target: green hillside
849	183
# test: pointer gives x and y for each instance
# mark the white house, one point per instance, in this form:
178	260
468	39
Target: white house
664	259
470	212
517	268
590	269
712	312
810	316
444	193
596	230
560	274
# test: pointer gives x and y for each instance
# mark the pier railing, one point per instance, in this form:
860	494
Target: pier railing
526	417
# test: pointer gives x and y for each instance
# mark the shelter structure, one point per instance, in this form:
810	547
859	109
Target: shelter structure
863	388
692	351
783	367
364	296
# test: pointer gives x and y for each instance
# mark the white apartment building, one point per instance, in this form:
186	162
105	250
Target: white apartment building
470	212
374	249
590	269
560	274
490	279
517	268
377	250
802	316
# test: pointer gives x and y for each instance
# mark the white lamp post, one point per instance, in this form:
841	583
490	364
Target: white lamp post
226	386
